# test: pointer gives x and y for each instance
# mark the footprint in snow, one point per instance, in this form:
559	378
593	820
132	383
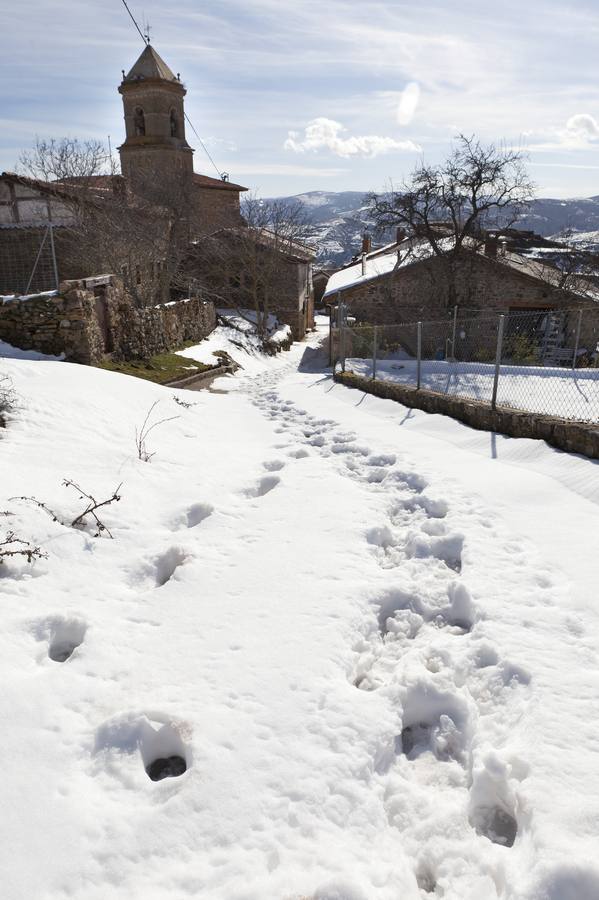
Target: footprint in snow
63	635
193	515
274	465
262	487
160	741
166	564
299	454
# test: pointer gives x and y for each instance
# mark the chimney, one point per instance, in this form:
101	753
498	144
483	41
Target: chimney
366	243
399	235
491	244
503	246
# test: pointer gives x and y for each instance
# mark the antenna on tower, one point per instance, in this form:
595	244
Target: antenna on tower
147	33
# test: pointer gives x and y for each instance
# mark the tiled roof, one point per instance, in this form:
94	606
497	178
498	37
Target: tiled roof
150	65
205	181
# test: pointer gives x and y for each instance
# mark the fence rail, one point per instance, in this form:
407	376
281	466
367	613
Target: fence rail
538	361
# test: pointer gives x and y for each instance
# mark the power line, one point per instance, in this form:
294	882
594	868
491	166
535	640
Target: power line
190	123
146	41
141	34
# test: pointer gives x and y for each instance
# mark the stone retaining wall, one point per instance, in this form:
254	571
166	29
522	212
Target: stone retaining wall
93	317
569	436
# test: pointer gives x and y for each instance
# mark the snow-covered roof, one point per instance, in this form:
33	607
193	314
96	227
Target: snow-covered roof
397	256
379	262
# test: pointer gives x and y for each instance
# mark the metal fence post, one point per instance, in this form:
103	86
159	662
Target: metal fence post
342	324
53	250
374	349
453	334
37	259
338	347
577	340
418	354
497	361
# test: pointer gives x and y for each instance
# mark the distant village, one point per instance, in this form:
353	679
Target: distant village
97	264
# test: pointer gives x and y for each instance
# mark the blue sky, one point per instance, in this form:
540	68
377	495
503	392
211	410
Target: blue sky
297	95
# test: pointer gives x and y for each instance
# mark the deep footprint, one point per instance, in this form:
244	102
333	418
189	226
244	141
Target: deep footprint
167	564
169	767
197	513
495	824
67	636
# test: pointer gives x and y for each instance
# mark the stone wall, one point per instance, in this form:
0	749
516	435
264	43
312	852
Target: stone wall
91	318
569	436
294	303
216	208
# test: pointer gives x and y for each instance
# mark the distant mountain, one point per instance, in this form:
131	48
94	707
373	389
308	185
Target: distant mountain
339	219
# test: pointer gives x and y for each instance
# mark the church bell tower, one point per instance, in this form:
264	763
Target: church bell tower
155	151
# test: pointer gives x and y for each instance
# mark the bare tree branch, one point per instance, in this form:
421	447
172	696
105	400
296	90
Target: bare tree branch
90	510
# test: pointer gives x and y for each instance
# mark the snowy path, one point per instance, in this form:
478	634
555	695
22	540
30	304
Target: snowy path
355	629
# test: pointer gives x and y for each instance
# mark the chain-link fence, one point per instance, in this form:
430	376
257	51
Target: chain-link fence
28	261
538	361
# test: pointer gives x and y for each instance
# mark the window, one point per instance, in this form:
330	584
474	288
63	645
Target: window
139	122
174	124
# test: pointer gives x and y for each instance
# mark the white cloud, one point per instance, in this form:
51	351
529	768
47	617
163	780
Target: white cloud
583	124
408	103
326	134
580	133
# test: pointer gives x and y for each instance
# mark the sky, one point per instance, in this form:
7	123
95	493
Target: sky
298	95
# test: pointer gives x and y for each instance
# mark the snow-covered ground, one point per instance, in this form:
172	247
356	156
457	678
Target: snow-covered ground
236	336
370	635
572	394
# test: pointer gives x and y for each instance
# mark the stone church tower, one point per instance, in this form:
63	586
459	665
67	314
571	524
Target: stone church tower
155	146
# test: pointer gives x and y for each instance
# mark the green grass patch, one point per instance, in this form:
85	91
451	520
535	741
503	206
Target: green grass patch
161	368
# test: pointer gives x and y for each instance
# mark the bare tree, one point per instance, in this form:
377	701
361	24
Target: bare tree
65	159
141	234
476	188
255	265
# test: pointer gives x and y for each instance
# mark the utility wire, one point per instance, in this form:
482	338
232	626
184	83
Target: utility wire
188	120
141	34
190	123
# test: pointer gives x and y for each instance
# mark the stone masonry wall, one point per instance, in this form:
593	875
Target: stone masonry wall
91	318
419	292
484	288
217	208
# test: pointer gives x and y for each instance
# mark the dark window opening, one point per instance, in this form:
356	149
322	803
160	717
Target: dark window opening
174	124
139	122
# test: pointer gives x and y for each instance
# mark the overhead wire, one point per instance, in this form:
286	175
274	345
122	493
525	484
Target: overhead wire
141	34
146	41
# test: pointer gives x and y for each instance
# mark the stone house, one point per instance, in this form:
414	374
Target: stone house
166	204
157	171
405	282
319	280
255	269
